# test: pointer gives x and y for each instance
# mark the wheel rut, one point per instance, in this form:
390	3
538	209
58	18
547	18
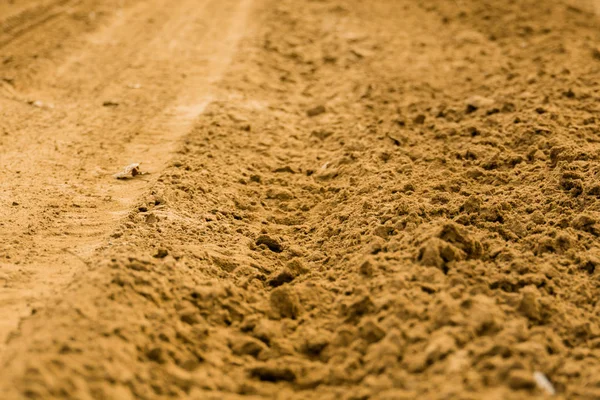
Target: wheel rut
107	102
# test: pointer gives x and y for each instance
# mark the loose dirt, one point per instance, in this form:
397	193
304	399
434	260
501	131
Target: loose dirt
337	199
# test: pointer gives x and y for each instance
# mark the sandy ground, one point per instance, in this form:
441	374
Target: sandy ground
339	199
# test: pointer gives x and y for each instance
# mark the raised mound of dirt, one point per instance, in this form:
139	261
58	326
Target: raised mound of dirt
383	200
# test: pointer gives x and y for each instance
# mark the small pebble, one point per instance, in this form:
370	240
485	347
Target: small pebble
544	383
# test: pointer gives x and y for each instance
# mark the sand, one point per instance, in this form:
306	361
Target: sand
335	199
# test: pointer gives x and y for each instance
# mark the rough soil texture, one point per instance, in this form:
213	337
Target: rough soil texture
346	199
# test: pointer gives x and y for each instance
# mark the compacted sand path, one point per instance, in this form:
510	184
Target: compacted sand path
338	199
87	89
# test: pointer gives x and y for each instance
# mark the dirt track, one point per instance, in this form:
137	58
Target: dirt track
343	199
105	99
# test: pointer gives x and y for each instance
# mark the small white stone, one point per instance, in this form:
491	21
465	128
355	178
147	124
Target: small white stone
129	171
544	383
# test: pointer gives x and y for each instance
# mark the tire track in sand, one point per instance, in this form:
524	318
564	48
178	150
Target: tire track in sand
29	19
58	170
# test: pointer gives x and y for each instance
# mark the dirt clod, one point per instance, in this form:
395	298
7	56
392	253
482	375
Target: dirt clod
281	277
247	346
521	380
476	102
317	110
273	373
161	253
271	243
285	302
